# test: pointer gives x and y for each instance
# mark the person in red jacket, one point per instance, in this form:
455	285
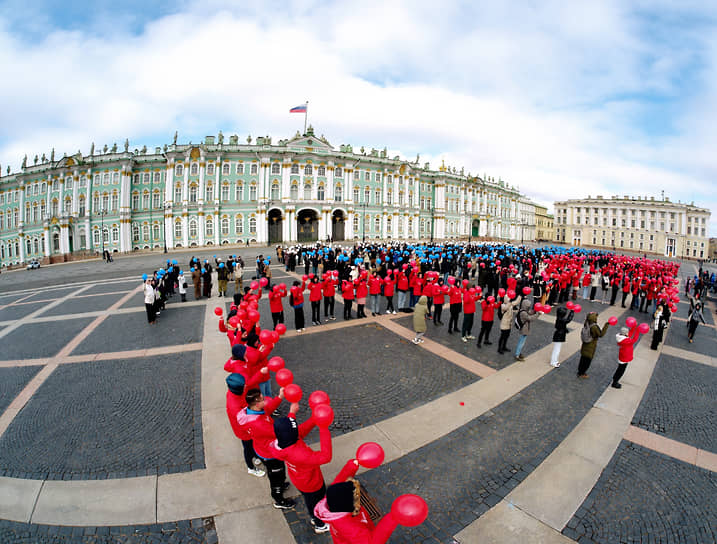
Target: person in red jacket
329	290
439	297
374	293
275	303
315	294
488	307
455	296
347	292
402	284
302	463
469	310
626	339
237	384
297	302
388	288
361	294
625	288
257	420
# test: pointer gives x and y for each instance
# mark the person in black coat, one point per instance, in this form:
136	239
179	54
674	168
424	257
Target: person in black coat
562	318
658	327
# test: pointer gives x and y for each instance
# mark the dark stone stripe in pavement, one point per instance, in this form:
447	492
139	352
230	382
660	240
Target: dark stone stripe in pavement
11	313
83	304
110	419
463	474
113	287
195	531
12	381
644	496
53	293
705	339
680	403
38	340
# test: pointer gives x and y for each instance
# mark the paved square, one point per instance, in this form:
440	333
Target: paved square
110	419
12	381
176	325
78	305
18	311
53	293
705	340
112	287
36	340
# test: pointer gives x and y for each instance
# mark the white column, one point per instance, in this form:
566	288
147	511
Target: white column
330	182
169	183
46	239
215	218
185	186
185	230
202	166
169	228
384	224
416	225
75	193
22	248
201	219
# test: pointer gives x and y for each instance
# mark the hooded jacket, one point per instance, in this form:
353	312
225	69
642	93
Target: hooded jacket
588	348
260	427
506	322
302	463
419	314
625	344
527	314
562	318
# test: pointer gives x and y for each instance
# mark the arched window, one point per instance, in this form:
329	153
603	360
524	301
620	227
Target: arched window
35	215
193	227
276	168
36	243
294	191
156	199
338	192
307	191
56	241
209	226
294	168
209	193
115	177
410	199
96	237
210	169
178	229
226	169
193	189
115	234
356	194
366	195
54	207
320	193
28	246
225	226
308	170
377	223
115	202
239	192
338	173
389	222
179	169
321	171
378	196
356	223
68	205
82	207
410	227
254	169
145	200
252	192
135	232
275	190
135	201
194	169
389	197
145	178
145	231
239	224
43	210
252	224
178	193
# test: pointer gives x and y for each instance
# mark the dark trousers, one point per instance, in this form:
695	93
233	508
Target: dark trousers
593	290
299	317
312	499
584	364
467	324
503	340
691	328
347	308
656	338
359	310
389	304
249	453
437	314
613	297
624	297
316	311
485	327
329	306
453	321
151	314
277	317
276	471
621	368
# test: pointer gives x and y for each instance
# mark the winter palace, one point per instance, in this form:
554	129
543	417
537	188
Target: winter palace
222	192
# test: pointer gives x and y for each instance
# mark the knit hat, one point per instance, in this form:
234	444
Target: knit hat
235	383
624	331
238	352
344	496
286	431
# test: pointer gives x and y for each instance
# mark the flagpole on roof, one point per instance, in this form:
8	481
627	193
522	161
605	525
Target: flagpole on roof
306	114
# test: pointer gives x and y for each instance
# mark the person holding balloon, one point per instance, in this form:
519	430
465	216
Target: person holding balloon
626	339
525	315
149	297
505	314
660	323
297	302
488	307
276	306
562	318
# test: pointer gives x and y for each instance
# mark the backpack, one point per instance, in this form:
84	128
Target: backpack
519	322
585	334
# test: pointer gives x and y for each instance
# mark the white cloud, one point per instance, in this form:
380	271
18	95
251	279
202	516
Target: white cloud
549	97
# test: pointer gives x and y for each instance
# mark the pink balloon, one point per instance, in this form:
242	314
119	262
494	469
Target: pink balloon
276	364
284	377
311	276
491	299
479	290
409	510
318	397
292	392
612	321
305	277
263	282
370	455
280	328
510	293
577	308
630	322
323	415
643	328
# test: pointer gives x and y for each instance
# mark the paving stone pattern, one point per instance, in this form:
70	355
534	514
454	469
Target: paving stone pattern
175	325
14	380
113	286
680	403
35	340
463	474
110	419
83	304
388	375
683	310
53	294
705	339
195	531
644	496
11	313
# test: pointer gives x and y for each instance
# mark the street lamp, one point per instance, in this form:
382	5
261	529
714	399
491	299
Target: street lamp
102	214
363	223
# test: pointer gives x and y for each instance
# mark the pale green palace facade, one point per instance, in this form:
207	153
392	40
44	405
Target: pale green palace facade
195	195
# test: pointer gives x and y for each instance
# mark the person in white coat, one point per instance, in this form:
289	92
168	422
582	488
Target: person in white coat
182	285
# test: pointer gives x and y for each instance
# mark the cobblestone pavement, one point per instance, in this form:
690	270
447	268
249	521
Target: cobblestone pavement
12	381
387	373
35	340
644	496
113	286
11	313
78	305
680	403
705	339
109	419
195	531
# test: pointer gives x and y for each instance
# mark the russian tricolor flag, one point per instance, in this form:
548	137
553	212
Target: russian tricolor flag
298	109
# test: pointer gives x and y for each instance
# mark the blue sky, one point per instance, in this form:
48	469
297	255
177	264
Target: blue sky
560	99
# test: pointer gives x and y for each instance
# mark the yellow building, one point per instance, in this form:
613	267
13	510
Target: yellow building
544	231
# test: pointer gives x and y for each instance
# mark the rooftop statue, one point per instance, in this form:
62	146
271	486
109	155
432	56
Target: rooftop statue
220	138
126	145
92	149
174	141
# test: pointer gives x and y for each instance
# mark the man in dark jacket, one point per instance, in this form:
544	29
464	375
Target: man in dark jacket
562	318
587	351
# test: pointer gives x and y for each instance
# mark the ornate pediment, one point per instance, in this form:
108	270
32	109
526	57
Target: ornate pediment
310	142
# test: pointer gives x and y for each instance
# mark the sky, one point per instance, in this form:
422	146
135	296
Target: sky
561	99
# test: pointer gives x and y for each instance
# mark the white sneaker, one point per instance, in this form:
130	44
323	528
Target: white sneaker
318	529
465	339
471	337
415	340
388	311
394	311
256	472
556	365
421	340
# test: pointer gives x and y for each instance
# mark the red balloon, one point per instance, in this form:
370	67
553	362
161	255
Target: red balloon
292	392
276	364
409	510
234	321
243	305
479	290
465	283
510	293
280	328
538	307
577	308
491	299
305	277
241	314
253	316
265	337
526	290
547	308
263	282
282	286
630	322
323	415
451	280
501	292
274	337
570	305
318	397
311	276
254	285
218	311
284	377
644	328
370	455
404	266
612	321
